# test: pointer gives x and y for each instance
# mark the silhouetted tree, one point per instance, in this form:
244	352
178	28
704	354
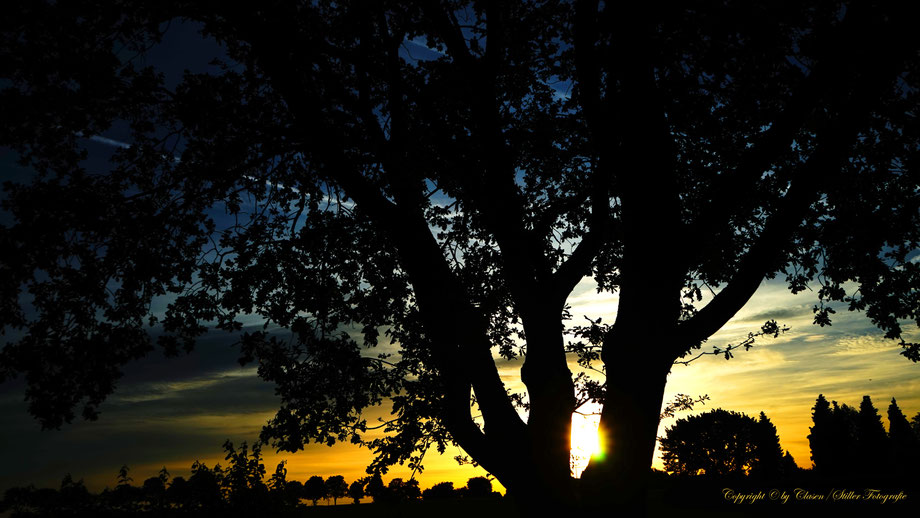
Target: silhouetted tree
73	498
721	443
375	487
903	444
336	488
278	487
478	487
768	454
179	493
278	480
871	440
314	489
204	486
820	435
293	492
356	491
845	421
411	491
123	478
154	490
125	497
789	467
243	479
455	195
439	491
399	490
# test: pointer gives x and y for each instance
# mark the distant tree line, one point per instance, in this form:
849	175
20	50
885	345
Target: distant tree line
240	489
851	443
847	444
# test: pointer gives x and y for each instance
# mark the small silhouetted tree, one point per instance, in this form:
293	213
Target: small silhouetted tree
439	491
356	491
871	439
178	493
73	498
293	492
411	491
124	497
123	478
277	486
278	480
903	444
205	486
478	487
336	488
245	473
844	441
375	488
399	490
395	486
915	425
768	454
314	489
820	436
154	490
789	467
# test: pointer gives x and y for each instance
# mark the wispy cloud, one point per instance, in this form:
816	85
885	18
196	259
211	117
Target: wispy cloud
109	142
181	388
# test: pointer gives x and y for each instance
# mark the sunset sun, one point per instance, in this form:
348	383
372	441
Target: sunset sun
585	441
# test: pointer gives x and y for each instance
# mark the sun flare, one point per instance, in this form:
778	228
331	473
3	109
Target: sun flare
585	441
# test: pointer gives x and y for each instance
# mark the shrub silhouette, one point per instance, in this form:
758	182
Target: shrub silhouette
722	443
440	491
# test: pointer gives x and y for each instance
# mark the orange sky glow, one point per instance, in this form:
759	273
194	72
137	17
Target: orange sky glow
781	377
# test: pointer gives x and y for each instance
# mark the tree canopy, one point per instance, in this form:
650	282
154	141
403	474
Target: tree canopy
432	179
723	443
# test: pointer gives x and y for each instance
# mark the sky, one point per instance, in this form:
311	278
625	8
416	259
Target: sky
169	413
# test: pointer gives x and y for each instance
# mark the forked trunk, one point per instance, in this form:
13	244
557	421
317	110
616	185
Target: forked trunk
618	479
617	483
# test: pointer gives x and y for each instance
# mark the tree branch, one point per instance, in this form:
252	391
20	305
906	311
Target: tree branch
463	361
645	178
832	75
879	55
492	186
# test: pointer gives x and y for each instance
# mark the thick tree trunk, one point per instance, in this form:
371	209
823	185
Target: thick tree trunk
537	471
617	483
629	424
547	473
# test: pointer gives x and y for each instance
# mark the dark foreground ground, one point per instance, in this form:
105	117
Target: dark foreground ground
669	497
684	501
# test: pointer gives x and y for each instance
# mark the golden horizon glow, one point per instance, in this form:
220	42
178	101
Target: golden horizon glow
781	377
